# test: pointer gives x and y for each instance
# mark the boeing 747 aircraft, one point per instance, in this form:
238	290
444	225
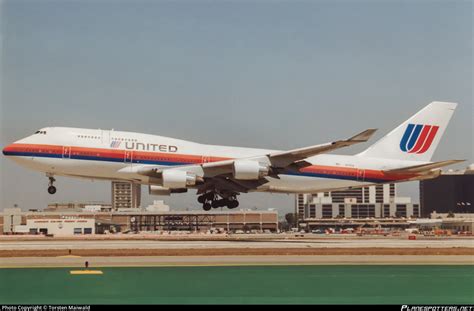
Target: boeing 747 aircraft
220	173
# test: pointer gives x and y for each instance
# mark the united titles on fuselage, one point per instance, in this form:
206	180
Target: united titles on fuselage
150	147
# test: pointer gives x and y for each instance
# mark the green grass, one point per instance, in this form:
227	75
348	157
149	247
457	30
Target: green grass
245	284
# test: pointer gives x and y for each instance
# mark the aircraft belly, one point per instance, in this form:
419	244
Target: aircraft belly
91	168
305	184
101	169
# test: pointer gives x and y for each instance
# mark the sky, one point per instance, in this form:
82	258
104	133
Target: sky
267	74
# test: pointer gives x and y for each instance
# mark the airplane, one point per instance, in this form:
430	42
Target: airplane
221	173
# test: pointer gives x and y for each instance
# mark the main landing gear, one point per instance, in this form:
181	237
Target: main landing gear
211	200
51	187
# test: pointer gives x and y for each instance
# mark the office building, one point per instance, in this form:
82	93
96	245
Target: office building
378	201
125	195
452	192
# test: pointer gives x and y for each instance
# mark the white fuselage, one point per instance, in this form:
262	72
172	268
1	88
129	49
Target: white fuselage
117	155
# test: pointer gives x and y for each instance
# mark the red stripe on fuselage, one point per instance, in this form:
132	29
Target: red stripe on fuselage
355	172
48	149
197	159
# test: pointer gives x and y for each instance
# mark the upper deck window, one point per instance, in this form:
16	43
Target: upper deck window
89	136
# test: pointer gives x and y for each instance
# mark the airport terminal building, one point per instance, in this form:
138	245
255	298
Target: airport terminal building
123	215
72	222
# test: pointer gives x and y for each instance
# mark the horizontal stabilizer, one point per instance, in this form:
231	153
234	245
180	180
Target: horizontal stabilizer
422	167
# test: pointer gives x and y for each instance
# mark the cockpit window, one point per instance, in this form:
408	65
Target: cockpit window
40	132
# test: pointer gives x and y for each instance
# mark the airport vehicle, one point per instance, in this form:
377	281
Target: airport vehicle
220	173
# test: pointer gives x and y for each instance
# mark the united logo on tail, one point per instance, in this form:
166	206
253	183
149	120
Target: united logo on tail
418	138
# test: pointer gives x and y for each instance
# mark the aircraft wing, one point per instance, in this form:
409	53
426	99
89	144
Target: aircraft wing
277	160
285	158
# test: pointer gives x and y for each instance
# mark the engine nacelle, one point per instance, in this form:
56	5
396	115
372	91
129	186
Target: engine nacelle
178	179
159	190
249	170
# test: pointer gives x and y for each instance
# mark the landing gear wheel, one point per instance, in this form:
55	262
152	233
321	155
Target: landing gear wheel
201	199
233	204
209	196
217	203
206	206
51	189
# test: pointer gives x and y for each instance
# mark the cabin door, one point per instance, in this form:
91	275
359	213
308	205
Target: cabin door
360	175
66	152
128	158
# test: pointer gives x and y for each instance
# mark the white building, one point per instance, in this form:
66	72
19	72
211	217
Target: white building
378	201
158	206
57	226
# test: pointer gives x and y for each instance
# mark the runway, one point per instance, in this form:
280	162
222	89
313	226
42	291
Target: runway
259	244
154	261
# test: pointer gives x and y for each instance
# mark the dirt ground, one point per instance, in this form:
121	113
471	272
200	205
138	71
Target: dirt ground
219	237
239	251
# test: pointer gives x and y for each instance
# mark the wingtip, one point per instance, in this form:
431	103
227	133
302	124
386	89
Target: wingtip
364	136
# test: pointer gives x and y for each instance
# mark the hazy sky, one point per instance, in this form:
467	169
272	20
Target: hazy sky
270	74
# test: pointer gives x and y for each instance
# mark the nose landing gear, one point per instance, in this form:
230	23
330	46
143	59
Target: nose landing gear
51	187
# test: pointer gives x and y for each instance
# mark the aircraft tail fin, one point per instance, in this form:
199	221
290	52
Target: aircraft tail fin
415	139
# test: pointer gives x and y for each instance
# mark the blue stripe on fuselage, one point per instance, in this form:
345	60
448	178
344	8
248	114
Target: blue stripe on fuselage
32	154
170	163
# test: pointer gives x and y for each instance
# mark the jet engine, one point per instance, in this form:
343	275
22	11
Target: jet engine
159	190
249	170
178	179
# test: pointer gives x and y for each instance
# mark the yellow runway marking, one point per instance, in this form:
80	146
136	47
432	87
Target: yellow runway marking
68	256
86	272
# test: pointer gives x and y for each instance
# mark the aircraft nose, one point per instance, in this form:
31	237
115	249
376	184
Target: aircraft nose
7	149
